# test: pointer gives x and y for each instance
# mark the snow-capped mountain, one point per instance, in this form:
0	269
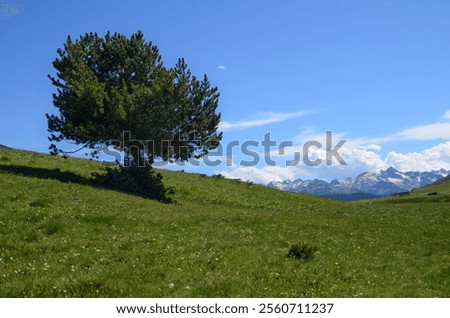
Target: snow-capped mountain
369	184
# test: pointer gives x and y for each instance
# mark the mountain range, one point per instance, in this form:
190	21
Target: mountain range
365	186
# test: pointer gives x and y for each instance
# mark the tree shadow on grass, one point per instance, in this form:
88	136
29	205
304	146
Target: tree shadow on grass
97	180
43	173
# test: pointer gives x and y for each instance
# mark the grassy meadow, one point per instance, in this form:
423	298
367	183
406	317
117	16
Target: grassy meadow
62	237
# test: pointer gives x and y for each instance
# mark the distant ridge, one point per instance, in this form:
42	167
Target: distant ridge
441	181
365	186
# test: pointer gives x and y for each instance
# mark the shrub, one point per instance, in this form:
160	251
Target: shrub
400	194
40	203
52	227
302	251
141	181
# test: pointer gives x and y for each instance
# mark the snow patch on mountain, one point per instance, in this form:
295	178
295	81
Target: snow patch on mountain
380	183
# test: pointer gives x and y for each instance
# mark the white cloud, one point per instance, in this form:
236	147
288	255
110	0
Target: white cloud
374	147
363	159
262	175
434	131
433	158
222	67
427	132
437	130
265	118
446	115
360	159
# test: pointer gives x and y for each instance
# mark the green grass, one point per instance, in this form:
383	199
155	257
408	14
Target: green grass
61	237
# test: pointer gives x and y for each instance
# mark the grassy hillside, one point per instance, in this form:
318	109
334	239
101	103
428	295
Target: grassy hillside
438	192
61	237
441	186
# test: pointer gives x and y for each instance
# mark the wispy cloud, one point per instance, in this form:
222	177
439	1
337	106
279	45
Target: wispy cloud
434	131
427	132
262	119
446	115
222	67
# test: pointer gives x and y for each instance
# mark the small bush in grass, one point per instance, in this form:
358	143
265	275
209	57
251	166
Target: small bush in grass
52	227
40	203
31	236
302	250
141	181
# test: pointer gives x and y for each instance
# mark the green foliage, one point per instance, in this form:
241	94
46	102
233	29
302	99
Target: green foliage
106	86
141	181
302	251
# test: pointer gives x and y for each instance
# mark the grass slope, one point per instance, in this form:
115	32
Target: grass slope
438	192
61	237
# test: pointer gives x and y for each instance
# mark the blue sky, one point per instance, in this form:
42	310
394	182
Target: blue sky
376	73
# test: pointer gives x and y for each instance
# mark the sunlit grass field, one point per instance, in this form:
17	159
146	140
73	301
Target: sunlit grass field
62	237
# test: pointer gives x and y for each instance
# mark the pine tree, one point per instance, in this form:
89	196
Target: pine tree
115	91
111	85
